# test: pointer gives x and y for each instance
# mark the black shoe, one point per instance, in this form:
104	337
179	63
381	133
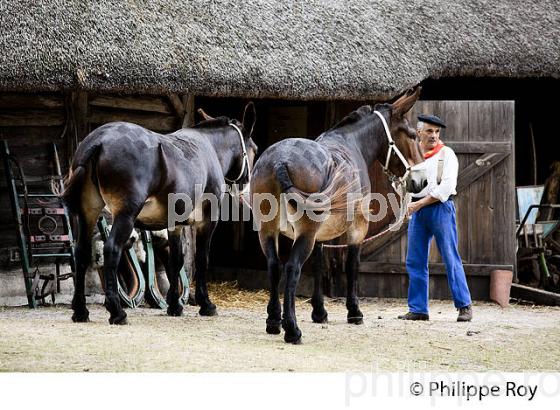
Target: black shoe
414	316
465	314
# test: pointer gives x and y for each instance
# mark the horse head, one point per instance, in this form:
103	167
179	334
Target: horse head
239	173
403	154
244	148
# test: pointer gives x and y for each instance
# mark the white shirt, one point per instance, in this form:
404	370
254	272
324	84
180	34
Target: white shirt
448	182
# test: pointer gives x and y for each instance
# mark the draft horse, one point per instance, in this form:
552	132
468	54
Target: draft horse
335	164
132	171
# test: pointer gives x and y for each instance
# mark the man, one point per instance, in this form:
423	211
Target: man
432	214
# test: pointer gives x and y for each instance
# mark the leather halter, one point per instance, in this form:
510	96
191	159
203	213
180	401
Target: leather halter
245	158
393	147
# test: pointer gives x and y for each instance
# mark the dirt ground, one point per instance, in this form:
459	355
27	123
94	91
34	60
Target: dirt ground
519	338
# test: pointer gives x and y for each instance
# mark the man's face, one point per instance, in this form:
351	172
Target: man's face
429	136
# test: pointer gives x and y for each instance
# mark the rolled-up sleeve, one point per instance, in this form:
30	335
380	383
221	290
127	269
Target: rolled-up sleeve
448	183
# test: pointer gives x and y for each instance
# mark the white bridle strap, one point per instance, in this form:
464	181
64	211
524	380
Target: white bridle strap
245	157
392	147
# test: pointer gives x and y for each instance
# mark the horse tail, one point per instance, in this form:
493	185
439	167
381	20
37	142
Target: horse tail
334	197
283	177
74	180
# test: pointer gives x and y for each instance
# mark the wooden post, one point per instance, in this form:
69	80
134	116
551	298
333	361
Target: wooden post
188	104
77	121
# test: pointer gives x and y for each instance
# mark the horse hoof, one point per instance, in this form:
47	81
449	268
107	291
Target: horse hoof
322	317
209	310
81	317
123	321
119	320
273	329
175	310
294	339
357	320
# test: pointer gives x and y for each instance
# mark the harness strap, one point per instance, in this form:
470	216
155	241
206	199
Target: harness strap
235	191
440	167
392	147
245	158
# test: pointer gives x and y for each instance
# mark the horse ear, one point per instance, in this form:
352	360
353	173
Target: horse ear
406	101
204	115
249	117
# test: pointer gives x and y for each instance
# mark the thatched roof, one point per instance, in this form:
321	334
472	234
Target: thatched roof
268	48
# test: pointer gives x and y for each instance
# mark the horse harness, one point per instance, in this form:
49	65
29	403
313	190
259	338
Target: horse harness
245	164
393	148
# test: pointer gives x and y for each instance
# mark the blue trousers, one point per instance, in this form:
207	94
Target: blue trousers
435	220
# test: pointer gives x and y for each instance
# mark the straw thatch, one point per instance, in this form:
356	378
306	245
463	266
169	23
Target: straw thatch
269	48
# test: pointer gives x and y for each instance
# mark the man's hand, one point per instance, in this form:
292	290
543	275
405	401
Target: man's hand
413	207
416	206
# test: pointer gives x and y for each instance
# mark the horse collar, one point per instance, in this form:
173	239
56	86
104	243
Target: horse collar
392	147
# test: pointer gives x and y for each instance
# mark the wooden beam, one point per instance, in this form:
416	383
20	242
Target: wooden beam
539	296
153	122
188	104
435	268
177	105
31	118
469	175
150	104
78	126
14	101
481	166
473	147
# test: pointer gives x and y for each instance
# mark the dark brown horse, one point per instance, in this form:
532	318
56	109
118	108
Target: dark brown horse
335	165
133	172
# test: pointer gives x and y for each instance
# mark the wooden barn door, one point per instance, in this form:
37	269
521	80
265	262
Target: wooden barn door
481	134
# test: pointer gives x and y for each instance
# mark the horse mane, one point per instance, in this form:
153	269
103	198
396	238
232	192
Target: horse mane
213	123
354	116
362	112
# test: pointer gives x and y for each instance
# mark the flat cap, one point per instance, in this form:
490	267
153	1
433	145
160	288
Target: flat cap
431	119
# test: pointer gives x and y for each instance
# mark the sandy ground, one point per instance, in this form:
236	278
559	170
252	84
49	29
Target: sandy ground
519	338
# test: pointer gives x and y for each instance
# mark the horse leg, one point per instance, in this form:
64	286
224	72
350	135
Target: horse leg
319	314
269	245
203	240
176	261
301	250
83	257
112	250
355	316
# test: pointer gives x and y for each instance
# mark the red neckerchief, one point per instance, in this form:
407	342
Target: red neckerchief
433	151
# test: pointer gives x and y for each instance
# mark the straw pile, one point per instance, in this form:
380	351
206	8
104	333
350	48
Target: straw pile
230	295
